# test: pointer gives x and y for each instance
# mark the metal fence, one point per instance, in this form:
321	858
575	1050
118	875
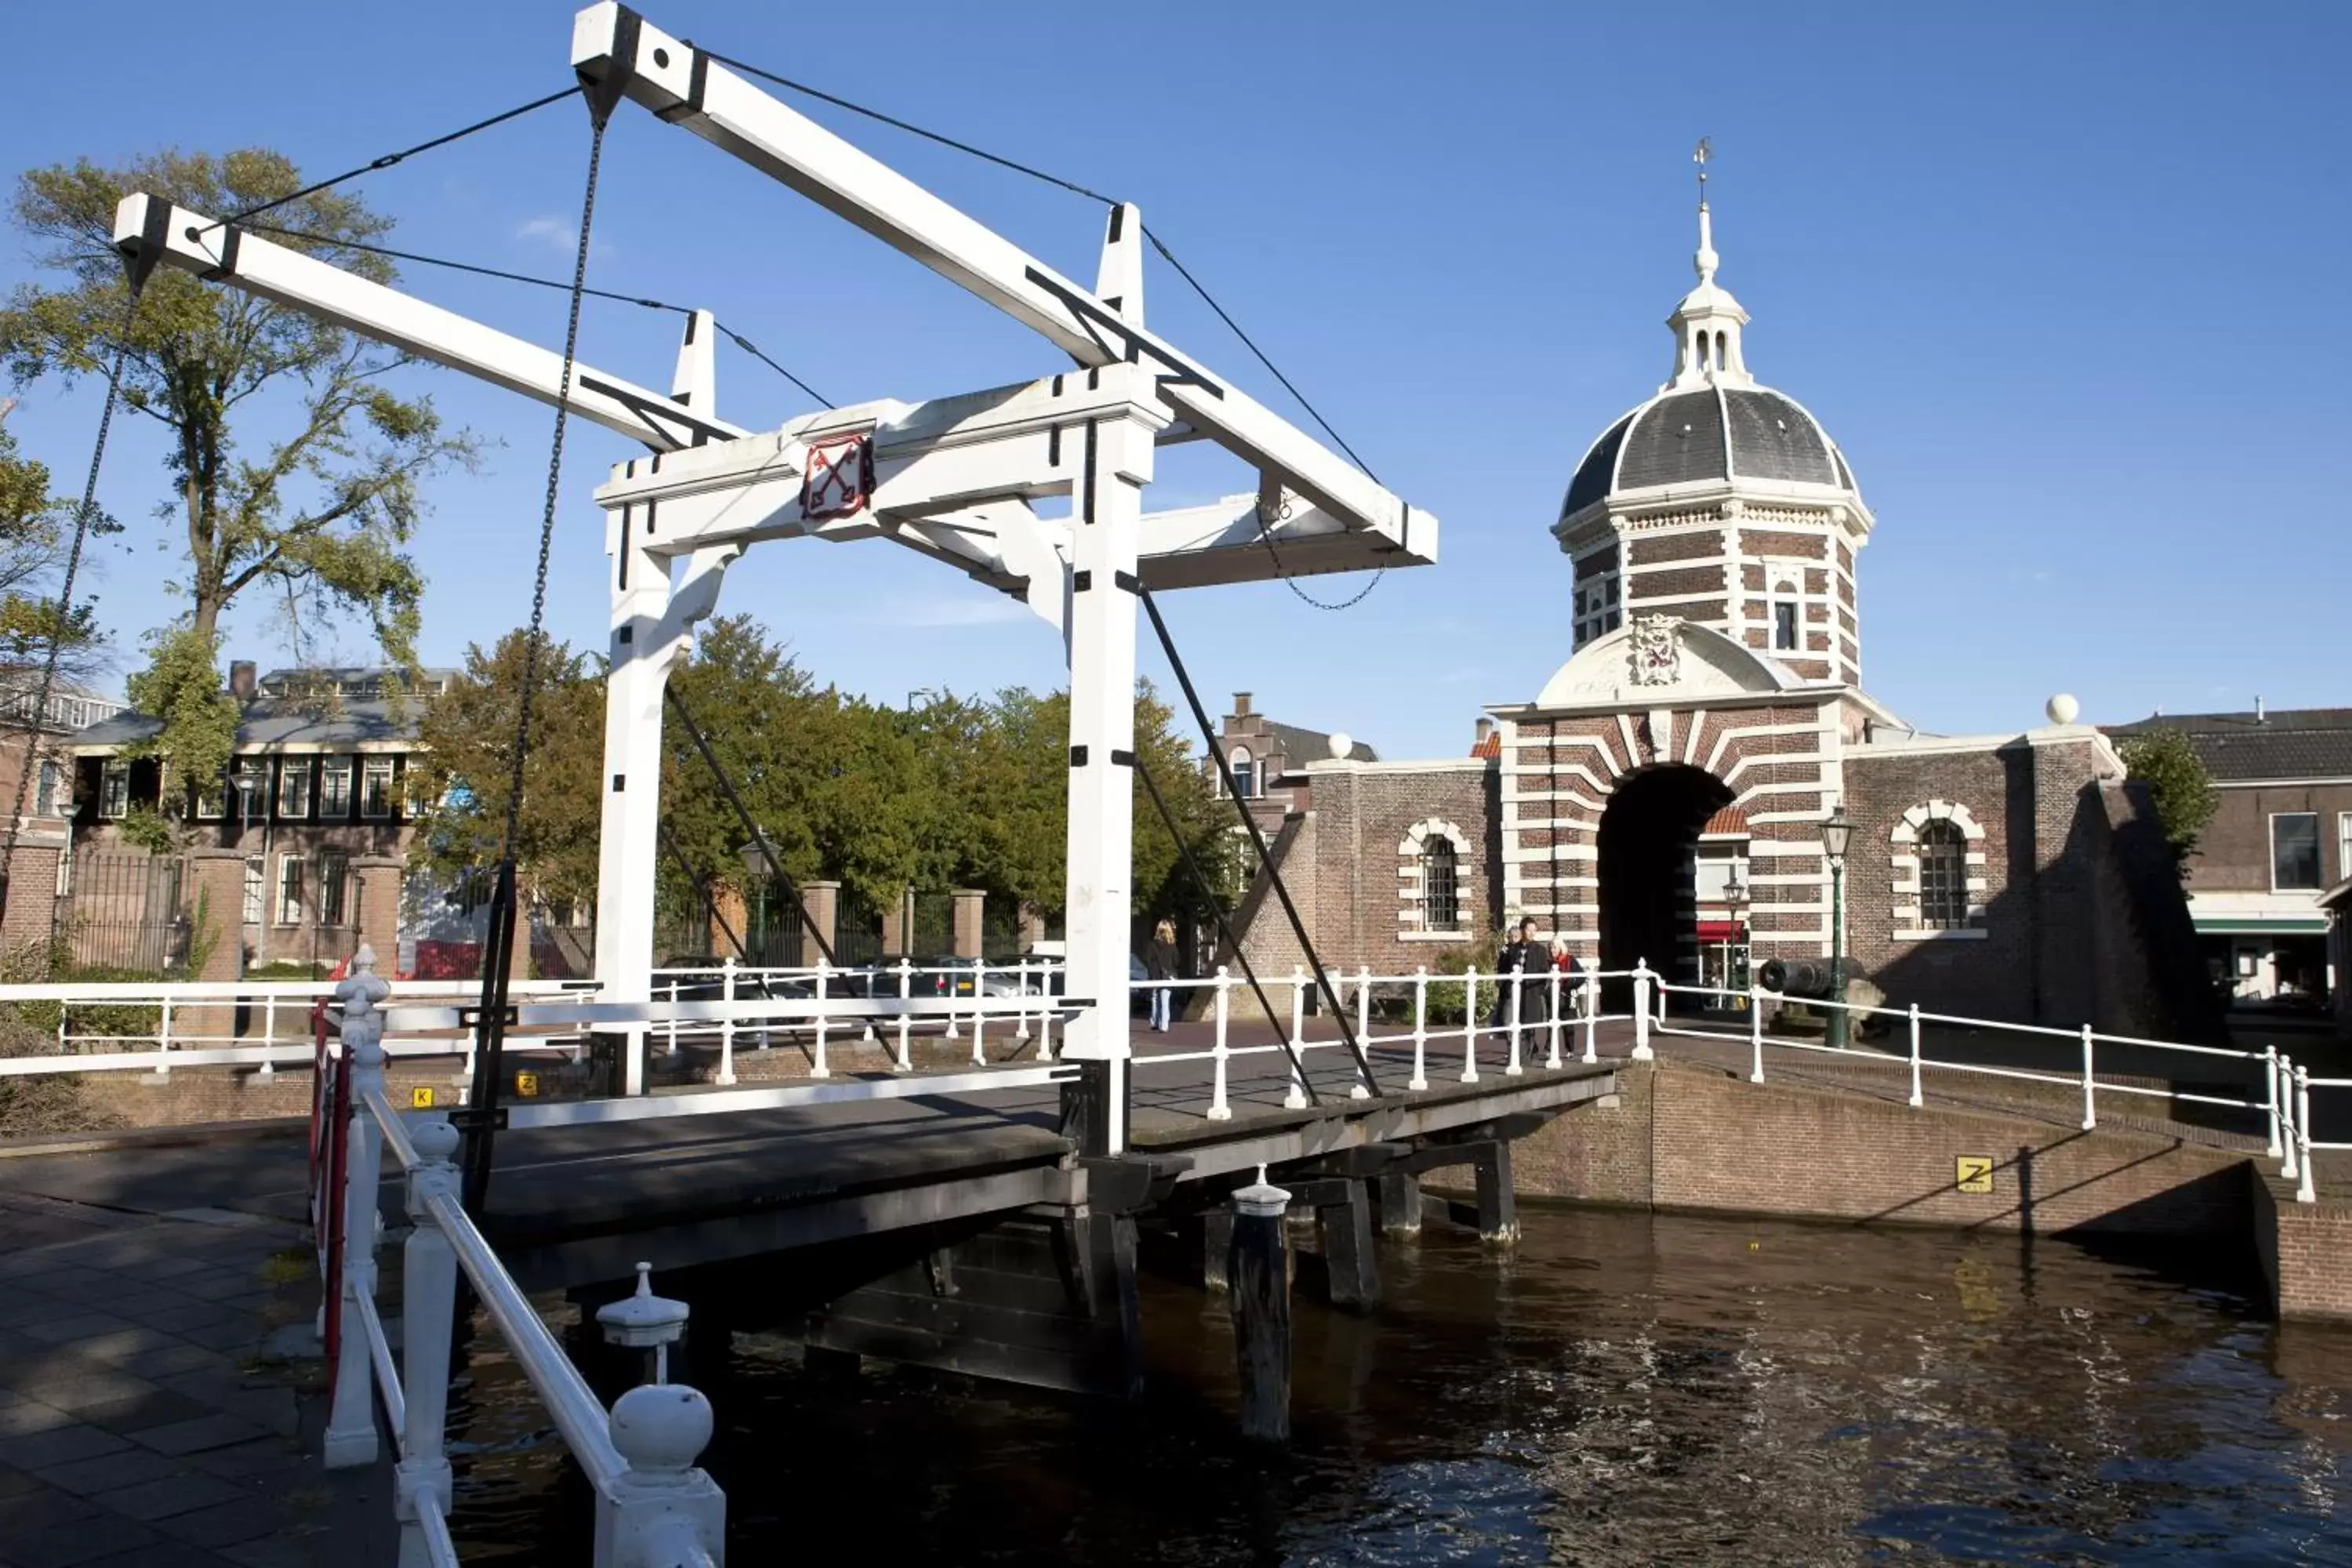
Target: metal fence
126	910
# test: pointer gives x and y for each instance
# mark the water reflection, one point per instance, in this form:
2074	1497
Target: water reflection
1621	1389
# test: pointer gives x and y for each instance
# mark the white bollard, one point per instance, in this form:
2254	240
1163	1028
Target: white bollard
1755	1035
2090	1086
1916	1099
1470	1025
428	1302
1642	1051
818	1069
1420	1029
906	1062
1363	1090
1220	1110
727	1024
1297	1098
662	1510
979	1010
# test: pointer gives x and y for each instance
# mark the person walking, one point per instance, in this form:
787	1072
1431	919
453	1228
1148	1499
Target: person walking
1159	964
1523	954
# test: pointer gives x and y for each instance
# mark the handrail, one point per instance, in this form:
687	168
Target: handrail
579	1415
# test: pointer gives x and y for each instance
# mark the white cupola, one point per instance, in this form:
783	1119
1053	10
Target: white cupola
1706	324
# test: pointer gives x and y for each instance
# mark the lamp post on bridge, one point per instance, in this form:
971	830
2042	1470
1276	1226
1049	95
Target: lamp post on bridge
1837	836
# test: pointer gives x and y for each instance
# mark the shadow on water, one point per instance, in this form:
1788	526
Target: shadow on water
1621	1389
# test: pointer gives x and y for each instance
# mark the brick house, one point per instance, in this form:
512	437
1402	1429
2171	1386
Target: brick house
1269	760
299	849
41	835
1660	797
2280	836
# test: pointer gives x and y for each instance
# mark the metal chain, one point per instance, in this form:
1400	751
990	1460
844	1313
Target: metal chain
554	482
83	517
1266	537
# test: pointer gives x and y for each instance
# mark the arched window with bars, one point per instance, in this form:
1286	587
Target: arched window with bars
1943	853
1441	886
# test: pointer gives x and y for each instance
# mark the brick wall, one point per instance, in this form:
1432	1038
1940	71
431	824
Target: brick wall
1684	1136
2305	1250
2234	853
1360	818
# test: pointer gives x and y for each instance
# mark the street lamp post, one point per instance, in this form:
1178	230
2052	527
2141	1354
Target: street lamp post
1837	835
1734	898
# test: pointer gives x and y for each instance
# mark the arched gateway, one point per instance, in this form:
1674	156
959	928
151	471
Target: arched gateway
1648	864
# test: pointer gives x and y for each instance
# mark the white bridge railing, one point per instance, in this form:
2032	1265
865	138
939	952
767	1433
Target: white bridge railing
654	1508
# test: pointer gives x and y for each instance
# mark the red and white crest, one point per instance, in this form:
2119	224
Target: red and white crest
839	480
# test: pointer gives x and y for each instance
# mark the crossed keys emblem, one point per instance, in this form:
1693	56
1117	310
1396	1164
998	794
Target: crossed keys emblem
839	479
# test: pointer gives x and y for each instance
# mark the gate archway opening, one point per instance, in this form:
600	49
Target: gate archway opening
1649	840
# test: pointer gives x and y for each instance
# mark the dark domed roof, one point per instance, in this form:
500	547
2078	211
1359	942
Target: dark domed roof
1706	436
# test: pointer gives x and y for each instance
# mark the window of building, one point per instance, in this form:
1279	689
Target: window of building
251	777
375	787
1246	780
1943	851
2294	851
254	890
1787	614
1441	886
114	787
289	889
212	800
334	882
294	789
45	794
2343	844
1597	609
335	789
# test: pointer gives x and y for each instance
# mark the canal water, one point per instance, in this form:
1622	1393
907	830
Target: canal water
1619	1389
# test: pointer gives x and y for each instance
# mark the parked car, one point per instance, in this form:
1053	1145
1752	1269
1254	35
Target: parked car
712	987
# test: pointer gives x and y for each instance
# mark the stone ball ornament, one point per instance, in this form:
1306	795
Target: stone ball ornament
661	1427
2062	709
1342	743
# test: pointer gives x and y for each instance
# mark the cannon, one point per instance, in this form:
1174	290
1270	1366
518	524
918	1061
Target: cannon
1794	976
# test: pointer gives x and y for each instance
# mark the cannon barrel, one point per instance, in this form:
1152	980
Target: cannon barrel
1794	976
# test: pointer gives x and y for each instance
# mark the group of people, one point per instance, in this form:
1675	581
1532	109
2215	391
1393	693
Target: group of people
1524	954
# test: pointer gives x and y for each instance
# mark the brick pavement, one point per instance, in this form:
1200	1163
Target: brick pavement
139	1426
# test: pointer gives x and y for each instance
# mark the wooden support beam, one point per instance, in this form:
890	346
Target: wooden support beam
1259	1270
1354	1269
1400	1202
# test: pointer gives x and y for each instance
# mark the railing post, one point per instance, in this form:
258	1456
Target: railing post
1363	1090
906	1023
1551	1057
2309	1192
350	1437
1591	1016
2090	1086
1511	1066
163	1043
671	1049
727	1024
1219	1109
428	1306
979	1010
2291	1164
1642	1051
1297	1098
1470	1025
1420	1029
2271	1095
1755	1034
1021	1003
817	1067
662	1512
268	1035
1916	1099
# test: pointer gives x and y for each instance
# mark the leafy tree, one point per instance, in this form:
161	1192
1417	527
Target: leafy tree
467	763
2178	787
316	514
33	524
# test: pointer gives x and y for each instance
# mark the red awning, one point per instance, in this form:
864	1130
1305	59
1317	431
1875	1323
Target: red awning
1718	930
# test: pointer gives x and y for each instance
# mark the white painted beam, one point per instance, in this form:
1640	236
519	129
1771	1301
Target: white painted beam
195	243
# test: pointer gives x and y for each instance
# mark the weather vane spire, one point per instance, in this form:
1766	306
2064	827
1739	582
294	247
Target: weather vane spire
1705	259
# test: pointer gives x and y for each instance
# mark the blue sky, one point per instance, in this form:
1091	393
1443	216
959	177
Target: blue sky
2059	279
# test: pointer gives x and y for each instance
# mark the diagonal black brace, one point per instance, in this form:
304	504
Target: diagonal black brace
489	1043
1257	839
743	814
1225	930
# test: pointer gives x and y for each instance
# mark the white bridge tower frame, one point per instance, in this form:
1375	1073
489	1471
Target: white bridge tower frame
956	479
